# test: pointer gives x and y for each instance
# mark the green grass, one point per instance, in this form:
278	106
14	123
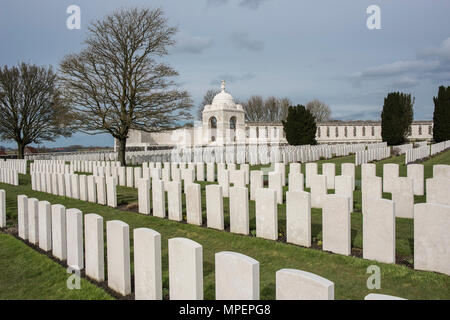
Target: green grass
27	274
348	273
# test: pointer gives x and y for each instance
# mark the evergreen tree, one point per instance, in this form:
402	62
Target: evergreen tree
300	126
396	117
441	115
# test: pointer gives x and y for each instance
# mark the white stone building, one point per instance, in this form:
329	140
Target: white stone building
223	123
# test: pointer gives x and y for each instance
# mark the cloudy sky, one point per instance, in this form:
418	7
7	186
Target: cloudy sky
287	48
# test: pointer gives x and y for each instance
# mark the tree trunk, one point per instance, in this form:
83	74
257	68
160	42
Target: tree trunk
122	146
21	150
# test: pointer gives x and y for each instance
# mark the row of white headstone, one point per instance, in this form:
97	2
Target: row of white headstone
99	190
378	213
371	155
400	149
439	147
237	276
14	164
417	154
9	176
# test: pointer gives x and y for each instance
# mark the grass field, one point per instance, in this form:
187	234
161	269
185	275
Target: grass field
348	273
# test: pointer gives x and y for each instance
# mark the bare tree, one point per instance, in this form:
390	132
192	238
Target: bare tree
207	99
30	106
320	110
117	83
270	110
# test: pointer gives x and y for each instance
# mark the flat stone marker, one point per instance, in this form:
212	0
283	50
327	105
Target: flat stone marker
59	229
294	284
22	216
416	173
318	190
214	207
266	214
329	171
174	203
336	224
185	269
402	195
194	204
239	212
438	191
94	243
144	196
147	264
33	220
379	231
237	276
256	182
432	237
298	218
118	256
74	231
45	225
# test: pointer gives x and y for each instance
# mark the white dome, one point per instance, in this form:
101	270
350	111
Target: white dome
223	99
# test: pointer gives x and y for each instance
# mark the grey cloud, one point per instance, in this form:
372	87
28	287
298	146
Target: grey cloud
241	40
431	64
251	4
187	43
232	78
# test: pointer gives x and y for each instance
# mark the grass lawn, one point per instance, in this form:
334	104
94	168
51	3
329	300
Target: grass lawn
27	274
348	273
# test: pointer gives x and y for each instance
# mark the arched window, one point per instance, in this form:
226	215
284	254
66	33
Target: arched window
275	132
345	132
267	132
337	131
233	123
213	123
318	132
420	130
328	131
373	131
430	130
364	131
257	132
354	131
